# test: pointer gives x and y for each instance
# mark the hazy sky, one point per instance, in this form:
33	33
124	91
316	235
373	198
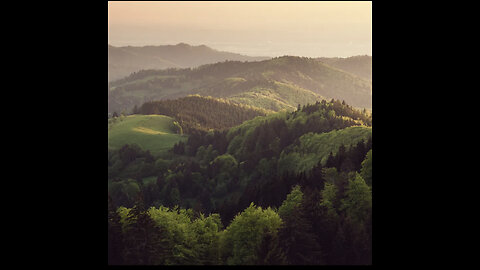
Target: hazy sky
310	28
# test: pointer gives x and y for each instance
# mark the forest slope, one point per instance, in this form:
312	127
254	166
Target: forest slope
218	170
298	180
202	113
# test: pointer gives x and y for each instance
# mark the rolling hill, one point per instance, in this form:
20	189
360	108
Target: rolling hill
314	148
360	65
155	133
202	113
274	84
123	61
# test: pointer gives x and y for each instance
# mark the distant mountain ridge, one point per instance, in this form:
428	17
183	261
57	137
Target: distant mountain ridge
122	61
360	65
274	84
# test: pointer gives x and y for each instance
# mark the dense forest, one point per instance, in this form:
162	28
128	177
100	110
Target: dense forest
274	84
197	113
292	187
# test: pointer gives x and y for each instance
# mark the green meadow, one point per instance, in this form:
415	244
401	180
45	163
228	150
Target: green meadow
151	132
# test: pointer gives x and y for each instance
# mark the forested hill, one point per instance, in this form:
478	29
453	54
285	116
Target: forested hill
202	113
286	188
216	171
275	84
124	60
360	65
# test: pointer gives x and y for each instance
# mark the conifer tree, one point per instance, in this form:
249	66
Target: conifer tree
115	237
298	241
269	252
145	242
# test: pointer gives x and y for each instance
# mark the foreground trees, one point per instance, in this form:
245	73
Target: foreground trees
311	227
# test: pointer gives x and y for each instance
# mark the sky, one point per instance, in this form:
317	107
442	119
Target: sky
255	28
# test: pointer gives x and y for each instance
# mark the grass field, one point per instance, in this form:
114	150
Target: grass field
151	132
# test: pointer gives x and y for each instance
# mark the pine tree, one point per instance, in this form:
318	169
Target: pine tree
330	161
298	240
115	237
146	243
269	252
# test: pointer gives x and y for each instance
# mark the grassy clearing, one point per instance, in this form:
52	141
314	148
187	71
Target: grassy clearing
151	132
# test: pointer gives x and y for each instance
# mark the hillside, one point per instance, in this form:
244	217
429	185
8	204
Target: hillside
249	160
202	113
314	148
275	84
311	166
123	61
359	65
155	133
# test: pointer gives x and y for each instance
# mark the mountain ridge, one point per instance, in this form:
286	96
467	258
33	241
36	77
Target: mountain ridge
273	84
360	65
125	60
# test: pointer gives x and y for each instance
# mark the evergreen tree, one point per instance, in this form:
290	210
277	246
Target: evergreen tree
297	238
269	252
115	237
146	243
331	162
366	170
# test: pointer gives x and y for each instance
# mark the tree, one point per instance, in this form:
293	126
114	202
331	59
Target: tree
207	234
145	242
115	237
331	163
366	170
179	148
357	203
177	128
329	200
357	207
340	156
347	165
291	203
269	252
243	237
297	238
